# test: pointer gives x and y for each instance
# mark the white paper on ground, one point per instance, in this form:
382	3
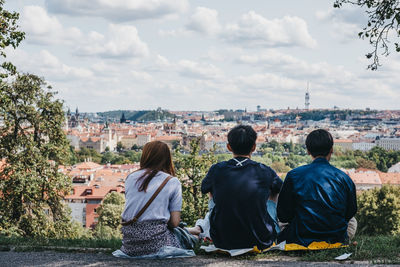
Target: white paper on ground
343	257
232	252
237	252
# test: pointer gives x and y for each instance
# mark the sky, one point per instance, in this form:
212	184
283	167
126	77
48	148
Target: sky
104	55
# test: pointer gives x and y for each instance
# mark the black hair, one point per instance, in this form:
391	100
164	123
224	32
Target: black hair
319	143
242	138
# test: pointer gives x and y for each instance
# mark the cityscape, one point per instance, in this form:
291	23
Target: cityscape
353	130
99	95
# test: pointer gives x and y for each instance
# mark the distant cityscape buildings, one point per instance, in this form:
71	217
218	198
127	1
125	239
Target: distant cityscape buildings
352	130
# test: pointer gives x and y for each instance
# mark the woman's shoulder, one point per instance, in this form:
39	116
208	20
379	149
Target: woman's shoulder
173	180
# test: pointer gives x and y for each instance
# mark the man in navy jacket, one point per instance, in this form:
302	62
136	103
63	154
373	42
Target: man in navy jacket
317	200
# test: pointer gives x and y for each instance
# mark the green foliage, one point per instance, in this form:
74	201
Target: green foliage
383	23
9	36
279	166
32	144
133	156
120	147
365	163
379	211
85	154
191	170
382	158
109	224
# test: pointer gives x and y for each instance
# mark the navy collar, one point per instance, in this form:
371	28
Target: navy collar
320	160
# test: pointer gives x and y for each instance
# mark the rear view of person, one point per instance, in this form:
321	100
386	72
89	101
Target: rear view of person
240	189
147	229
317	200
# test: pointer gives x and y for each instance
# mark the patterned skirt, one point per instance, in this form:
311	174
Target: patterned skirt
147	237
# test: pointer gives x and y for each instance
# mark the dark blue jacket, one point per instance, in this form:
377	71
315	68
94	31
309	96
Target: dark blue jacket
317	200
240	193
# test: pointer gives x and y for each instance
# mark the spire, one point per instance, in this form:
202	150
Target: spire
307	98
123	119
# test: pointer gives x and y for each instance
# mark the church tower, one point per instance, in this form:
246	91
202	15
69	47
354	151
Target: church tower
307	98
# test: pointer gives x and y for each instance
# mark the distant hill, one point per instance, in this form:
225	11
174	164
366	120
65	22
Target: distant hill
137	115
317	115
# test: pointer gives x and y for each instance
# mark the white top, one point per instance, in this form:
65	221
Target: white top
168	200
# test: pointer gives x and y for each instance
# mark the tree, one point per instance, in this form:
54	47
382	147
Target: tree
120	147
191	170
9	36
109	224
365	163
279	166
383	21
33	145
379	211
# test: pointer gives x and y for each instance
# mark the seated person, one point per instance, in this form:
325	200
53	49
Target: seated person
240	189
156	227
317	200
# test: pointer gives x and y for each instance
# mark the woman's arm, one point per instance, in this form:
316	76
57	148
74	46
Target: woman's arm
174	219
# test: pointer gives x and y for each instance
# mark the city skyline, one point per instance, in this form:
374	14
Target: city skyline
202	55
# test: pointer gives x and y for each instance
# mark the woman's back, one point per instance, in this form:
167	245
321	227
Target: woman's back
167	201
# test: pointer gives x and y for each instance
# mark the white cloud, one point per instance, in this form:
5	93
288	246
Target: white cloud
250	30
42	28
198	70
121	41
188	68
141	76
162	61
254	30
346	23
204	20
47	65
270	81
276	61
118	10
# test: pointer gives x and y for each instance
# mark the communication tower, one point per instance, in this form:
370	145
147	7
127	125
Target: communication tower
307	98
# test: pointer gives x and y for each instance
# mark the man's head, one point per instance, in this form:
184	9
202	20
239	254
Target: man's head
319	143
242	140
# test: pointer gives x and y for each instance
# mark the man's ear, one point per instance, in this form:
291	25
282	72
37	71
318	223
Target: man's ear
253	148
308	152
228	146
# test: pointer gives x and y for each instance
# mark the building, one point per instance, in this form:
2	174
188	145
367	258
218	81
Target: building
388	143
395	168
363	146
91	183
143	138
365	179
344	144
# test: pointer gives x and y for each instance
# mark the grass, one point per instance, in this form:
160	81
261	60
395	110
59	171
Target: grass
374	249
24	243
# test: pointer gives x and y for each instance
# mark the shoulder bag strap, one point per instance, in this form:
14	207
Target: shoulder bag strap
148	202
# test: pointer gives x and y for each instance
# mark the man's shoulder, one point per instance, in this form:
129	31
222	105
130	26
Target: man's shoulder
299	170
264	167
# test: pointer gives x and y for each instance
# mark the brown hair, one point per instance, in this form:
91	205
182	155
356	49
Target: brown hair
156	157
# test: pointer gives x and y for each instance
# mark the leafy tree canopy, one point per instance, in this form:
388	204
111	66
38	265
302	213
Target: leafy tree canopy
383	21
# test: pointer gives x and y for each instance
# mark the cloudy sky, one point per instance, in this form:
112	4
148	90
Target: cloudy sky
201	54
